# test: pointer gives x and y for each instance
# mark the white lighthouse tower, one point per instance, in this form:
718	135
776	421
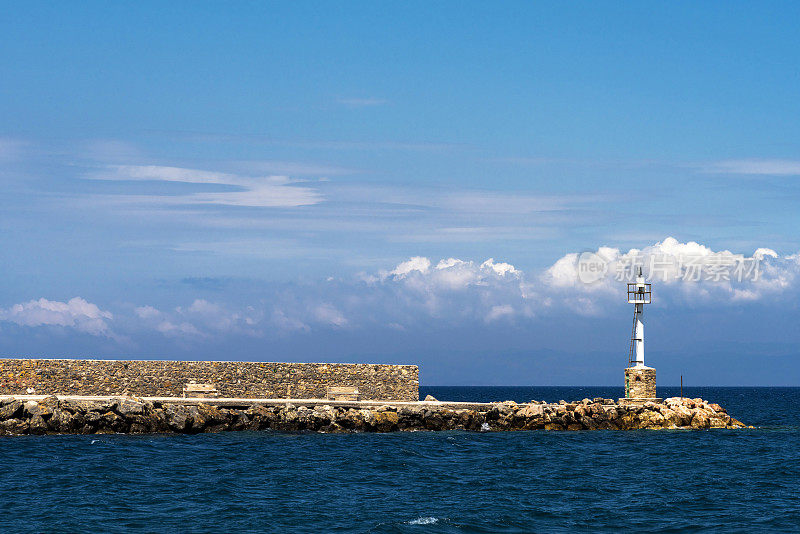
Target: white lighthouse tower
640	380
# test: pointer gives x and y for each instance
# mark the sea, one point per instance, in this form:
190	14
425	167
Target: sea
413	482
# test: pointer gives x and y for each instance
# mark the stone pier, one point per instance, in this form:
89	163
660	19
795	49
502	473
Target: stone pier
106	415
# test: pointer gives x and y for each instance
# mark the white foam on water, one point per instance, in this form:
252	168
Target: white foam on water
485	427
94	441
423	521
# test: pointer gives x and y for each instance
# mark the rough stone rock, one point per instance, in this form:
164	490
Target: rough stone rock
671	417
628	421
714	421
13	427
700	419
385	421
717	408
112	421
130	406
213	415
177	418
37	425
10	409
507	408
138	416
430	398
651	419
532	410
59	421
30	408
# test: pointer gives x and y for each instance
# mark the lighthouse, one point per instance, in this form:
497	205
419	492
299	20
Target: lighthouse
640	380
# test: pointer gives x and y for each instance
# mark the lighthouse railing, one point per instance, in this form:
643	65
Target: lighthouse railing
639	293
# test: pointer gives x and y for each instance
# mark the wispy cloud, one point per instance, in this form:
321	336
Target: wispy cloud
268	191
11	149
292	168
764	167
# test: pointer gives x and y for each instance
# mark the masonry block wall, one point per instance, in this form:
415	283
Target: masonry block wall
155	378
640	382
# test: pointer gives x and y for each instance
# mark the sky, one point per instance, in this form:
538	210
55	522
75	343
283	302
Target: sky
412	183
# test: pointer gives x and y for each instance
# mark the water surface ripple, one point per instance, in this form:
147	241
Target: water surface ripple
602	481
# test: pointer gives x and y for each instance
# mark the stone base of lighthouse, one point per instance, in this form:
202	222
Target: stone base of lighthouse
640	385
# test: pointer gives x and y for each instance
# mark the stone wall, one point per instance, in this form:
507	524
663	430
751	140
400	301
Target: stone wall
640	383
155	378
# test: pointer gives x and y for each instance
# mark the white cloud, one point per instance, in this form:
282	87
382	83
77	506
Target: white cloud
200	319
423	293
147	312
417	263
11	149
184	329
494	203
766	167
499	312
266	191
328	314
762	253
500	268
449	262
76	313
285	323
680	272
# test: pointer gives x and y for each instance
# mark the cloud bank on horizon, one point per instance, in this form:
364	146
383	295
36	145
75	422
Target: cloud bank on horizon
421	293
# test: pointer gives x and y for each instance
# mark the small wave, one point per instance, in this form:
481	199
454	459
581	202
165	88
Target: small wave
423	521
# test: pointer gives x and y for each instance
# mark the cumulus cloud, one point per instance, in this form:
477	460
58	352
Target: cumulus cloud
681	272
76	313
147	312
417	263
500	268
499	311
200	319
423	293
328	314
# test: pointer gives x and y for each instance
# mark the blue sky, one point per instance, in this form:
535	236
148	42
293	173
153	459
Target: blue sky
268	180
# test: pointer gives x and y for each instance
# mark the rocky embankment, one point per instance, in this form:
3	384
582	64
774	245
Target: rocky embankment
131	415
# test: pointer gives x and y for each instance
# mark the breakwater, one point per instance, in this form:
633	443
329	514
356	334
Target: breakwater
167	378
76	415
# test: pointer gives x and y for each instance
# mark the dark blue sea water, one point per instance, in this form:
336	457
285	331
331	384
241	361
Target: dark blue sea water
602	481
